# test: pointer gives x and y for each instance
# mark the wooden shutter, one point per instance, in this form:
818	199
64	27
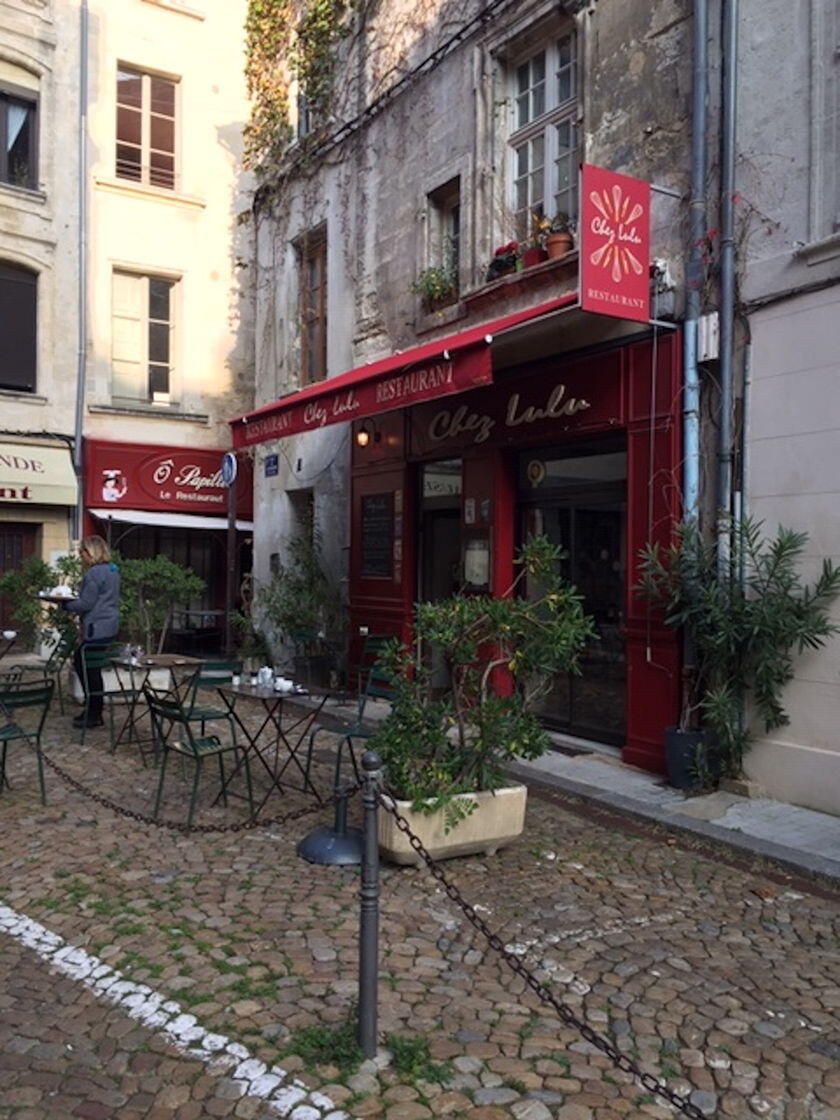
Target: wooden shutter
18	327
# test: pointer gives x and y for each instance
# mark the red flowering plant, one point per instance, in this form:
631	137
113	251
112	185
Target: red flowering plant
505	260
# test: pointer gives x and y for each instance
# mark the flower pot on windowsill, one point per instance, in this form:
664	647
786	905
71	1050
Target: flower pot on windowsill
534	254
558	244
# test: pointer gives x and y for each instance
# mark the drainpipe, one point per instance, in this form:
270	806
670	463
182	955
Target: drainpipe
729	36
81	371
694	270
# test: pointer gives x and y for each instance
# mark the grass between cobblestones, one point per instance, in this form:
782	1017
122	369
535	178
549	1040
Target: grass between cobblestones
718	981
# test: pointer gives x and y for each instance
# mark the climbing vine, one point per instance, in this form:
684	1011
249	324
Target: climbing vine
286	38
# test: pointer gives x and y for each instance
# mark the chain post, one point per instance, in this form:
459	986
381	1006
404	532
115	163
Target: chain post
369	906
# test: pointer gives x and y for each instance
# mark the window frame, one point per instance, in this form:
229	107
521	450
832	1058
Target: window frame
312	249
30	99
145	148
170	397
543	127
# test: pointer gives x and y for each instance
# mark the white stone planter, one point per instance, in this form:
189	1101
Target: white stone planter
499	819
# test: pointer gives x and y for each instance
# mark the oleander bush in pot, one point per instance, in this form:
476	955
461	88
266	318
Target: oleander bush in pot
439	745
746	619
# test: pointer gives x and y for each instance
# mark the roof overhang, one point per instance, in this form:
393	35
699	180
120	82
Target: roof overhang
448	365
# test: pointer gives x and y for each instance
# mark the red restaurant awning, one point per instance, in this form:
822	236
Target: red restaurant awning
437	369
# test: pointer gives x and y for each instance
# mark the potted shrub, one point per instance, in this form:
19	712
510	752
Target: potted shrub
445	756
437	286
559	236
744	621
305	611
505	259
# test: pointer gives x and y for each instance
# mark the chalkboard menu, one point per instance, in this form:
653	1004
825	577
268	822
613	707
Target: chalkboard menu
377	535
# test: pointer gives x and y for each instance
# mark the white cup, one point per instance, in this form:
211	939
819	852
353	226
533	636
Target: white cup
236	680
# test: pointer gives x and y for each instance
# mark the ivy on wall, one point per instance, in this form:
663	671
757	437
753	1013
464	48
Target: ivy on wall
284	39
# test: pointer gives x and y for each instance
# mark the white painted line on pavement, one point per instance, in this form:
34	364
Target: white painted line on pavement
286	1096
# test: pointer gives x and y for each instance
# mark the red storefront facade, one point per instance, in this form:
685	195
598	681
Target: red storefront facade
150	499
585	447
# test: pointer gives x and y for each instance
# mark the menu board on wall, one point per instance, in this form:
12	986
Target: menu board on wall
377	535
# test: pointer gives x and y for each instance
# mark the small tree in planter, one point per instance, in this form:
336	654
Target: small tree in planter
745	621
437	748
151	590
304	608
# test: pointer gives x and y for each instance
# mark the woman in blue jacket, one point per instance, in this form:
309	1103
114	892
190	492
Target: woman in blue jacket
98	605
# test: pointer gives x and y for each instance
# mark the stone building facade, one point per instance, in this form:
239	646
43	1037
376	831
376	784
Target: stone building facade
788	213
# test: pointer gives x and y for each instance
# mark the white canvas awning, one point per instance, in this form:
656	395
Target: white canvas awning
169	520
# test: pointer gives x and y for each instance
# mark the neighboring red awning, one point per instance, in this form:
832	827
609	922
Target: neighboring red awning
437	369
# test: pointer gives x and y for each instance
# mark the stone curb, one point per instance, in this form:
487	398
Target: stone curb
785	856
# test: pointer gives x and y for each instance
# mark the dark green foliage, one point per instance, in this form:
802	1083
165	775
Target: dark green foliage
413	1062
746	620
32	618
336	1046
151	590
436	746
300	601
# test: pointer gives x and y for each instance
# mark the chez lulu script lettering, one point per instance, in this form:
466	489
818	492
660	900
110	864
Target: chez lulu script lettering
620	232
448	425
317	413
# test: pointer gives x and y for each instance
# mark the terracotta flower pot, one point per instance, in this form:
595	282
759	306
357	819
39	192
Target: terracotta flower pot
558	244
534	254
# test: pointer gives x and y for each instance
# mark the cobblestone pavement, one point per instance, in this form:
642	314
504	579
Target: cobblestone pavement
722	981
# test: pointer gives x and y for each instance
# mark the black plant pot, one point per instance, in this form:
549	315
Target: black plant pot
687	759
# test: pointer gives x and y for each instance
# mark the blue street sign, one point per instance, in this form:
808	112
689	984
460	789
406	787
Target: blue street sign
272	466
228	468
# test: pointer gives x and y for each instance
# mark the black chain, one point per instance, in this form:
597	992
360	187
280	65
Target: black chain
682	1104
175	826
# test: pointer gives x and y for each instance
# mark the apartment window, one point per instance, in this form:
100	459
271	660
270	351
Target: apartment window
146	128
444	215
313	307
18	141
18	327
142	345
544	140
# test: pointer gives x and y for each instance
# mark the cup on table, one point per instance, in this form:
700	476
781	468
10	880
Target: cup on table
254	680
236	680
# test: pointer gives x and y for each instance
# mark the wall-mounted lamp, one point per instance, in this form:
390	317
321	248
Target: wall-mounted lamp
366	432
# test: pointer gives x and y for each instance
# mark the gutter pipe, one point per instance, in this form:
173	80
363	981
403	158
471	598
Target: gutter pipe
729	100
694	270
81	366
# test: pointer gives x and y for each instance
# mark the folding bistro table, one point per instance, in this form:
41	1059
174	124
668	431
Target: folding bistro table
277	743
132	674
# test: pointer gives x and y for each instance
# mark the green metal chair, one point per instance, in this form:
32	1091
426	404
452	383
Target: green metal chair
379	686
36	697
99	658
54	665
174	734
208	677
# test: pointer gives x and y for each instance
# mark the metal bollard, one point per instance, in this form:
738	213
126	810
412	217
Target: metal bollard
369	907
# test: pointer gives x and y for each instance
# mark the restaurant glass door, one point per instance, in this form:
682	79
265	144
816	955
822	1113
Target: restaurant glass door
578	498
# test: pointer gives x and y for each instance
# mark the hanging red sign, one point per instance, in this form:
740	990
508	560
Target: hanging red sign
614	244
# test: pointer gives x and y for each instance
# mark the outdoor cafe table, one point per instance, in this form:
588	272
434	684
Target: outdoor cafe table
275	743
132	674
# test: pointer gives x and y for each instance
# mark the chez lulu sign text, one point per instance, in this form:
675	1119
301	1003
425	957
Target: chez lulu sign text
478	426
614	244
400	389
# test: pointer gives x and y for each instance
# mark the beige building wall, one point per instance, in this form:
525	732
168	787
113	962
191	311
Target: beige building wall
189	234
794	480
39	58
